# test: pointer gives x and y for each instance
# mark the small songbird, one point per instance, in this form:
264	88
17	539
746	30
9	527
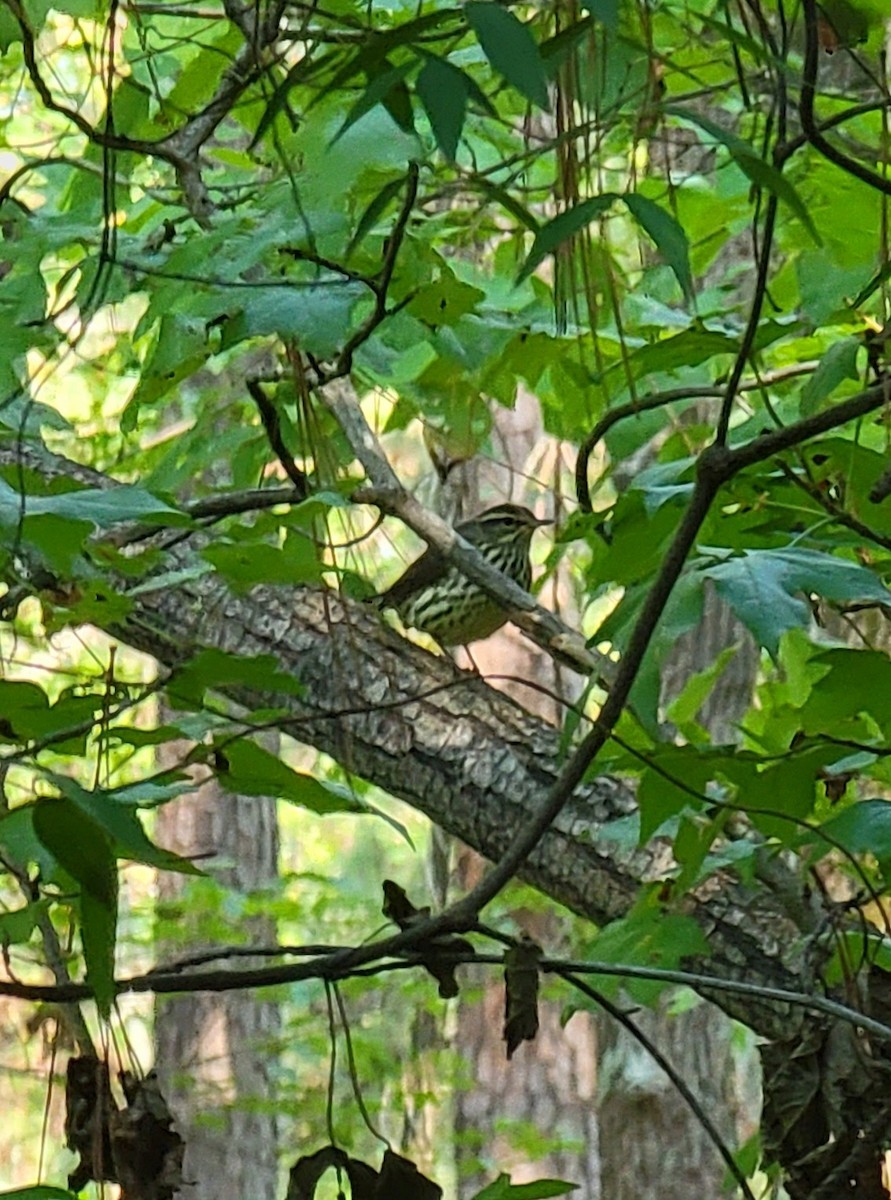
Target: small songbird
438	599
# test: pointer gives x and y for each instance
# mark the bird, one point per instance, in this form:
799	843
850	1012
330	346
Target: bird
434	596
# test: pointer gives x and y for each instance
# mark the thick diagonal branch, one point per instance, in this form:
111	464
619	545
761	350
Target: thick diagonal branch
470	758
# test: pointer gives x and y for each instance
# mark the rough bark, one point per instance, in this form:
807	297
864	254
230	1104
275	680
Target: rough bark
549	1083
478	765
470	758
213	1050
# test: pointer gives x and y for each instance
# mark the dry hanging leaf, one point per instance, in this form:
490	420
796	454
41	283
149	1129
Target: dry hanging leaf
148	1152
398	908
521	993
88	1106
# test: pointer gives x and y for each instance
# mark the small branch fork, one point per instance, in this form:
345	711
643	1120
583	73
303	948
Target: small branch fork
181	148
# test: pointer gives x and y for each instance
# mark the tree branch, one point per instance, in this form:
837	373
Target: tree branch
470	758
563	644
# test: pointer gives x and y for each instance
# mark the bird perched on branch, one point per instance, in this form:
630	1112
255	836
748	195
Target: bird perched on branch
434	596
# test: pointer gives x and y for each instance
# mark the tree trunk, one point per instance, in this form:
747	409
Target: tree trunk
214	1050
532	1116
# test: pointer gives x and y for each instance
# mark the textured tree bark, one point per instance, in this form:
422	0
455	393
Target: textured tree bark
473	760
651	1143
213	1050
545	1094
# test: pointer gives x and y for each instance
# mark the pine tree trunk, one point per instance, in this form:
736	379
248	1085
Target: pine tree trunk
213	1050
545	1093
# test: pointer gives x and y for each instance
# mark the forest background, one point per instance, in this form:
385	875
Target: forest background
282	285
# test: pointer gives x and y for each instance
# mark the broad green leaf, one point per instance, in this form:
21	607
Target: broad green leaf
539	1189
16	927
747	158
684	708
606	11
510	48
386	87
864	828
114	814
245	565
250	770
650	937
23	705
68	721
98	926
443	90
669	236
764	588
788	788
378	206
843	685
38	1192
687	349
20	843
82	846
102	506
78	843
660	797
445	301
213	669
23	414
180	347
851	20
837	364
563	227
316	314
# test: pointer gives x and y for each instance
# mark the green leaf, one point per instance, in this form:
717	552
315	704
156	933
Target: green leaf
98	925
317	315
848	683
78	843
113	814
16	927
510	48
669	236
838	363
443	91
246	565
23	706
102	506
30	716
650	937
750	162
445	301
216	669
659	797
684	708
386	85
763	587
82	846
180	348
252	771
39	1192
502	1189
552	235
376	208
864	828
687	349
